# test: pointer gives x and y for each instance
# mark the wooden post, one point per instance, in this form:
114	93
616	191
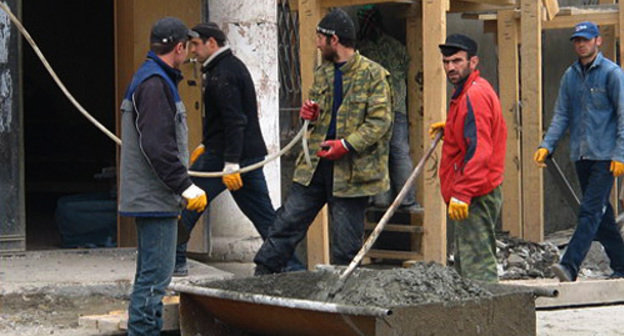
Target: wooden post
509	96
434	102
310	13
417	127
531	79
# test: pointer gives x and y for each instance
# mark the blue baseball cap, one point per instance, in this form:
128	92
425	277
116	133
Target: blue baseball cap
585	29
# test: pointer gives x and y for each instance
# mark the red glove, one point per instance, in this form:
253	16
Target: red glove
332	149
309	111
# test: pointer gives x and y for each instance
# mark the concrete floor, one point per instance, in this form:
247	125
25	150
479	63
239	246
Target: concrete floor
34	287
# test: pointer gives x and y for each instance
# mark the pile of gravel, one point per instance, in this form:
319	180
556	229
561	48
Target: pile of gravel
520	259
420	284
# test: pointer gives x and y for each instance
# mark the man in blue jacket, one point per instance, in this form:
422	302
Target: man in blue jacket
591	105
154	179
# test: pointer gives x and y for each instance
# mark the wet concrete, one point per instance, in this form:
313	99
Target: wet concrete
420	284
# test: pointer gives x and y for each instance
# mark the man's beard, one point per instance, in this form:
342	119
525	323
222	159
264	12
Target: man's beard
330	55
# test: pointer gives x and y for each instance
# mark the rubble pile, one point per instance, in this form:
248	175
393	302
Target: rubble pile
520	259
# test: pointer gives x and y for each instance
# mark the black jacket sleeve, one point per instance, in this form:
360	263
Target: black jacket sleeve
229	104
155	124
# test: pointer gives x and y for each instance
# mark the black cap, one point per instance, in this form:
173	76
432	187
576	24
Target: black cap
209	29
170	30
337	22
457	42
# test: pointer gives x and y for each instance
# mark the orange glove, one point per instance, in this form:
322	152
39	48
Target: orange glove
332	149
457	210
617	168
196	199
435	128
232	181
197	152
309	110
540	156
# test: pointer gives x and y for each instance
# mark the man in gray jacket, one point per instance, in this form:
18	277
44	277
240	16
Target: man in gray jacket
154	179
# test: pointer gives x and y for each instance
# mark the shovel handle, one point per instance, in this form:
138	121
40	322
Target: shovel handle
386	217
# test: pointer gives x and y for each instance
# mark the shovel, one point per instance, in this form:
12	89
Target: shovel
384	220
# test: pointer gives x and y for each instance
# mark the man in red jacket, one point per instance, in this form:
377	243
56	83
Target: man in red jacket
473	157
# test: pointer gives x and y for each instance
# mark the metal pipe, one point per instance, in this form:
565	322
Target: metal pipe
282	302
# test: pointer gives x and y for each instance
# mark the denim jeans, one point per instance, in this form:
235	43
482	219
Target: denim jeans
399	163
346	216
252	199
155	260
595	220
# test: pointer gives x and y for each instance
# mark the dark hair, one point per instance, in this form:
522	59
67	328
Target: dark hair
346	42
205	39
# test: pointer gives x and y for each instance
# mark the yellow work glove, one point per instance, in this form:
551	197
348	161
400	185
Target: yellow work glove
617	168
540	156
457	210
435	128
232	181
197	152
196	199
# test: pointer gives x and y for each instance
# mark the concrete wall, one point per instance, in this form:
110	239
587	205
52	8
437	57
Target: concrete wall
251	29
12	224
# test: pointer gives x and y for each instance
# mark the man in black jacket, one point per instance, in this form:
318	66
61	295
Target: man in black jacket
231	137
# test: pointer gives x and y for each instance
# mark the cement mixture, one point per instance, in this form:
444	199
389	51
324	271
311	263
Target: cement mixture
420	284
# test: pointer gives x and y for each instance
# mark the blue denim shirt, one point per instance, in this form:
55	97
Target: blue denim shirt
592	106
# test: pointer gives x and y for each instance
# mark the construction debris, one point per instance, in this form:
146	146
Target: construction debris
520	259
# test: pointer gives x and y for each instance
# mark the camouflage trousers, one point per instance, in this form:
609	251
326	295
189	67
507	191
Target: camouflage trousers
475	242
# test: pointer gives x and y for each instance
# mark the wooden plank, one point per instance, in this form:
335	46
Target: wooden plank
509	88
310	13
578	293
552	8
458	6
620	28
434	102
531	88
346	3
396	228
392	254
601	18
493	2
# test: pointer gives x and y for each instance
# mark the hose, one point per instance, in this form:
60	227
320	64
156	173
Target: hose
111	135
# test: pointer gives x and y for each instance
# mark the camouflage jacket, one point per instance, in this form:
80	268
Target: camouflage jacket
392	55
364	120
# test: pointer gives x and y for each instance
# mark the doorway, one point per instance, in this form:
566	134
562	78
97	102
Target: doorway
64	154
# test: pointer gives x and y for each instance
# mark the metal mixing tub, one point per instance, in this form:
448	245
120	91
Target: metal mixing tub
216	312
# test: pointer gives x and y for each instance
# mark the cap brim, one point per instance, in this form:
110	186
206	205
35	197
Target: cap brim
584	35
453	46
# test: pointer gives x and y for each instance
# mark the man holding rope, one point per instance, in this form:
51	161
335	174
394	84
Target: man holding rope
231	138
350	108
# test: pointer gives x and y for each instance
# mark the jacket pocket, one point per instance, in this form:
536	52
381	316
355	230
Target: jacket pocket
367	167
599	97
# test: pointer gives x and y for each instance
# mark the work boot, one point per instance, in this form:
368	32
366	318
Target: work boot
414	207
262	270
616	275
180	270
561	272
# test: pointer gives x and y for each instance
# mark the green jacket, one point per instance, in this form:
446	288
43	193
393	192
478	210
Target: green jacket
364	120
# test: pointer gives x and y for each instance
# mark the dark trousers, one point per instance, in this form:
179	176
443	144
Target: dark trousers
346	215
595	220
252	199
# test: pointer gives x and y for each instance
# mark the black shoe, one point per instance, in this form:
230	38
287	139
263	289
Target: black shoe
180	271
411	207
616	275
561	272
262	270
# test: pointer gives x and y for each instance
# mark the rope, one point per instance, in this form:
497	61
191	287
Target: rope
111	135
